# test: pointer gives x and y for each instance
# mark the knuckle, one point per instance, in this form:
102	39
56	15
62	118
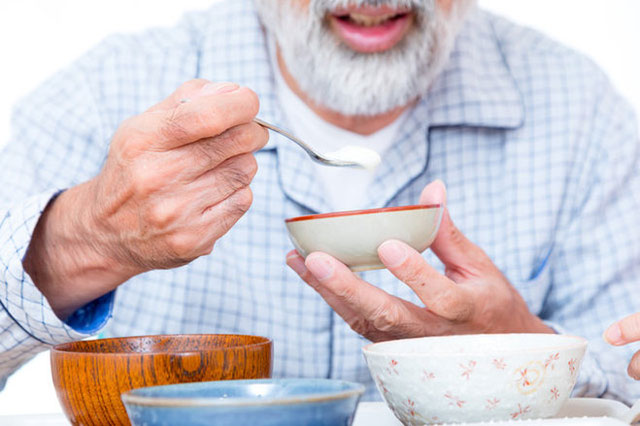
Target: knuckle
412	276
360	325
251	166
161	215
182	246
144	182
455	236
248	137
386	318
252	102
174	126
241	172
347	293
243	200
208	249
129	140
193	84
634	366
447	302
260	136
207	153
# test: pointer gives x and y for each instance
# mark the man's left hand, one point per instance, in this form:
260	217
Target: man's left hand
473	296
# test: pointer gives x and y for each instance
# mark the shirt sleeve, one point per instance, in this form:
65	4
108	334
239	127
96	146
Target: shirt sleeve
595	265
57	141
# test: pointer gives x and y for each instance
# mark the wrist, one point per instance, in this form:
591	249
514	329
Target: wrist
64	260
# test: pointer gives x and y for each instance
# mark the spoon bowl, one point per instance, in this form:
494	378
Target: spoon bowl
349	156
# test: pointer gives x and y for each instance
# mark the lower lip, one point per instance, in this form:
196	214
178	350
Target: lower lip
372	39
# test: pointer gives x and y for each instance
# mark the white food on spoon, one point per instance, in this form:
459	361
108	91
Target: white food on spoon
367	158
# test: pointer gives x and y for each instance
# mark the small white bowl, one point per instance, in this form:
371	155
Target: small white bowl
476	378
353	237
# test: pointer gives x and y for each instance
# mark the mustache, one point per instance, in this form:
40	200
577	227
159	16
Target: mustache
321	7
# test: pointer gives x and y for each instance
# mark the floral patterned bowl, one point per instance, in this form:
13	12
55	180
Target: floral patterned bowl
475	378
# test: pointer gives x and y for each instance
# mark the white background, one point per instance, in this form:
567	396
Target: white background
37	37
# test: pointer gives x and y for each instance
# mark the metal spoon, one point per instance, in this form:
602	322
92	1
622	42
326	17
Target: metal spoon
325	159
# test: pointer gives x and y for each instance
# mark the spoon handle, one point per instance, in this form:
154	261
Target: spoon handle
312	153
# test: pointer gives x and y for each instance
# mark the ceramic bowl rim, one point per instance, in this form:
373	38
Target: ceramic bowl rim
362	212
130	397
574	342
64	348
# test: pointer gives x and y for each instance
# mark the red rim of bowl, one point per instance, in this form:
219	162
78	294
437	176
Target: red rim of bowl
357	212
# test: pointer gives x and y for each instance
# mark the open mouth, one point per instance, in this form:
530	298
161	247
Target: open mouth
371	29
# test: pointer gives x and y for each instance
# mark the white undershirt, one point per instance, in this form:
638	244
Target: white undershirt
344	188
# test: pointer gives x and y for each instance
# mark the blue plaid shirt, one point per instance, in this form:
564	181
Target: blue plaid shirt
539	153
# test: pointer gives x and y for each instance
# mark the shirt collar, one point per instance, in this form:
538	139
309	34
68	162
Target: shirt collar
476	88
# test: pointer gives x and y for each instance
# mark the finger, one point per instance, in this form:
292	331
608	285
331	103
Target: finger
450	245
222	216
368	310
297	263
439	294
634	366
198	158
196	235
218	184
209	113
346	292
184	93
625	331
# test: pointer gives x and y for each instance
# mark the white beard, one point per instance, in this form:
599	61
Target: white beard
362	84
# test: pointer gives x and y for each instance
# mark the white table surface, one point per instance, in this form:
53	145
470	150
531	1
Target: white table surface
577	411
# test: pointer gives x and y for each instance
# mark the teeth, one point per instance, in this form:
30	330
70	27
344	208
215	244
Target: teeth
369	21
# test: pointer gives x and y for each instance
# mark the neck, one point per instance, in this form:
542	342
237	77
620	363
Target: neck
361	124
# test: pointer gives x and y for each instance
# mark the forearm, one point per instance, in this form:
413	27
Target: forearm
63	258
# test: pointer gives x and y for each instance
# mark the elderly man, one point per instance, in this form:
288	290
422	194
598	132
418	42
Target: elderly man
122	176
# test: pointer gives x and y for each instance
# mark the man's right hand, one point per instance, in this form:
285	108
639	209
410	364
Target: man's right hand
176	179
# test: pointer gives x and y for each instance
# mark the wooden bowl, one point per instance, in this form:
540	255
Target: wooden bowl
90	375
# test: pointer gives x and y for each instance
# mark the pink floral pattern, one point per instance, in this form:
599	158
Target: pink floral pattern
521	411
391	369
454	400
549	362
524	377
492	403
468	369
427	375
530	377
381	385
411	407
499	363
541	378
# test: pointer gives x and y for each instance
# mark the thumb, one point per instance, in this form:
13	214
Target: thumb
625	331
450	245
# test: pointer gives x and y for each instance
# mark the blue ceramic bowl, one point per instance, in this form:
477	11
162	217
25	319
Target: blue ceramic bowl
263	402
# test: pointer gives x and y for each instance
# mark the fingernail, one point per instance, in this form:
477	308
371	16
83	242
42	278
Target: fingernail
296	262
217	89
613	335
319	266
392	253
